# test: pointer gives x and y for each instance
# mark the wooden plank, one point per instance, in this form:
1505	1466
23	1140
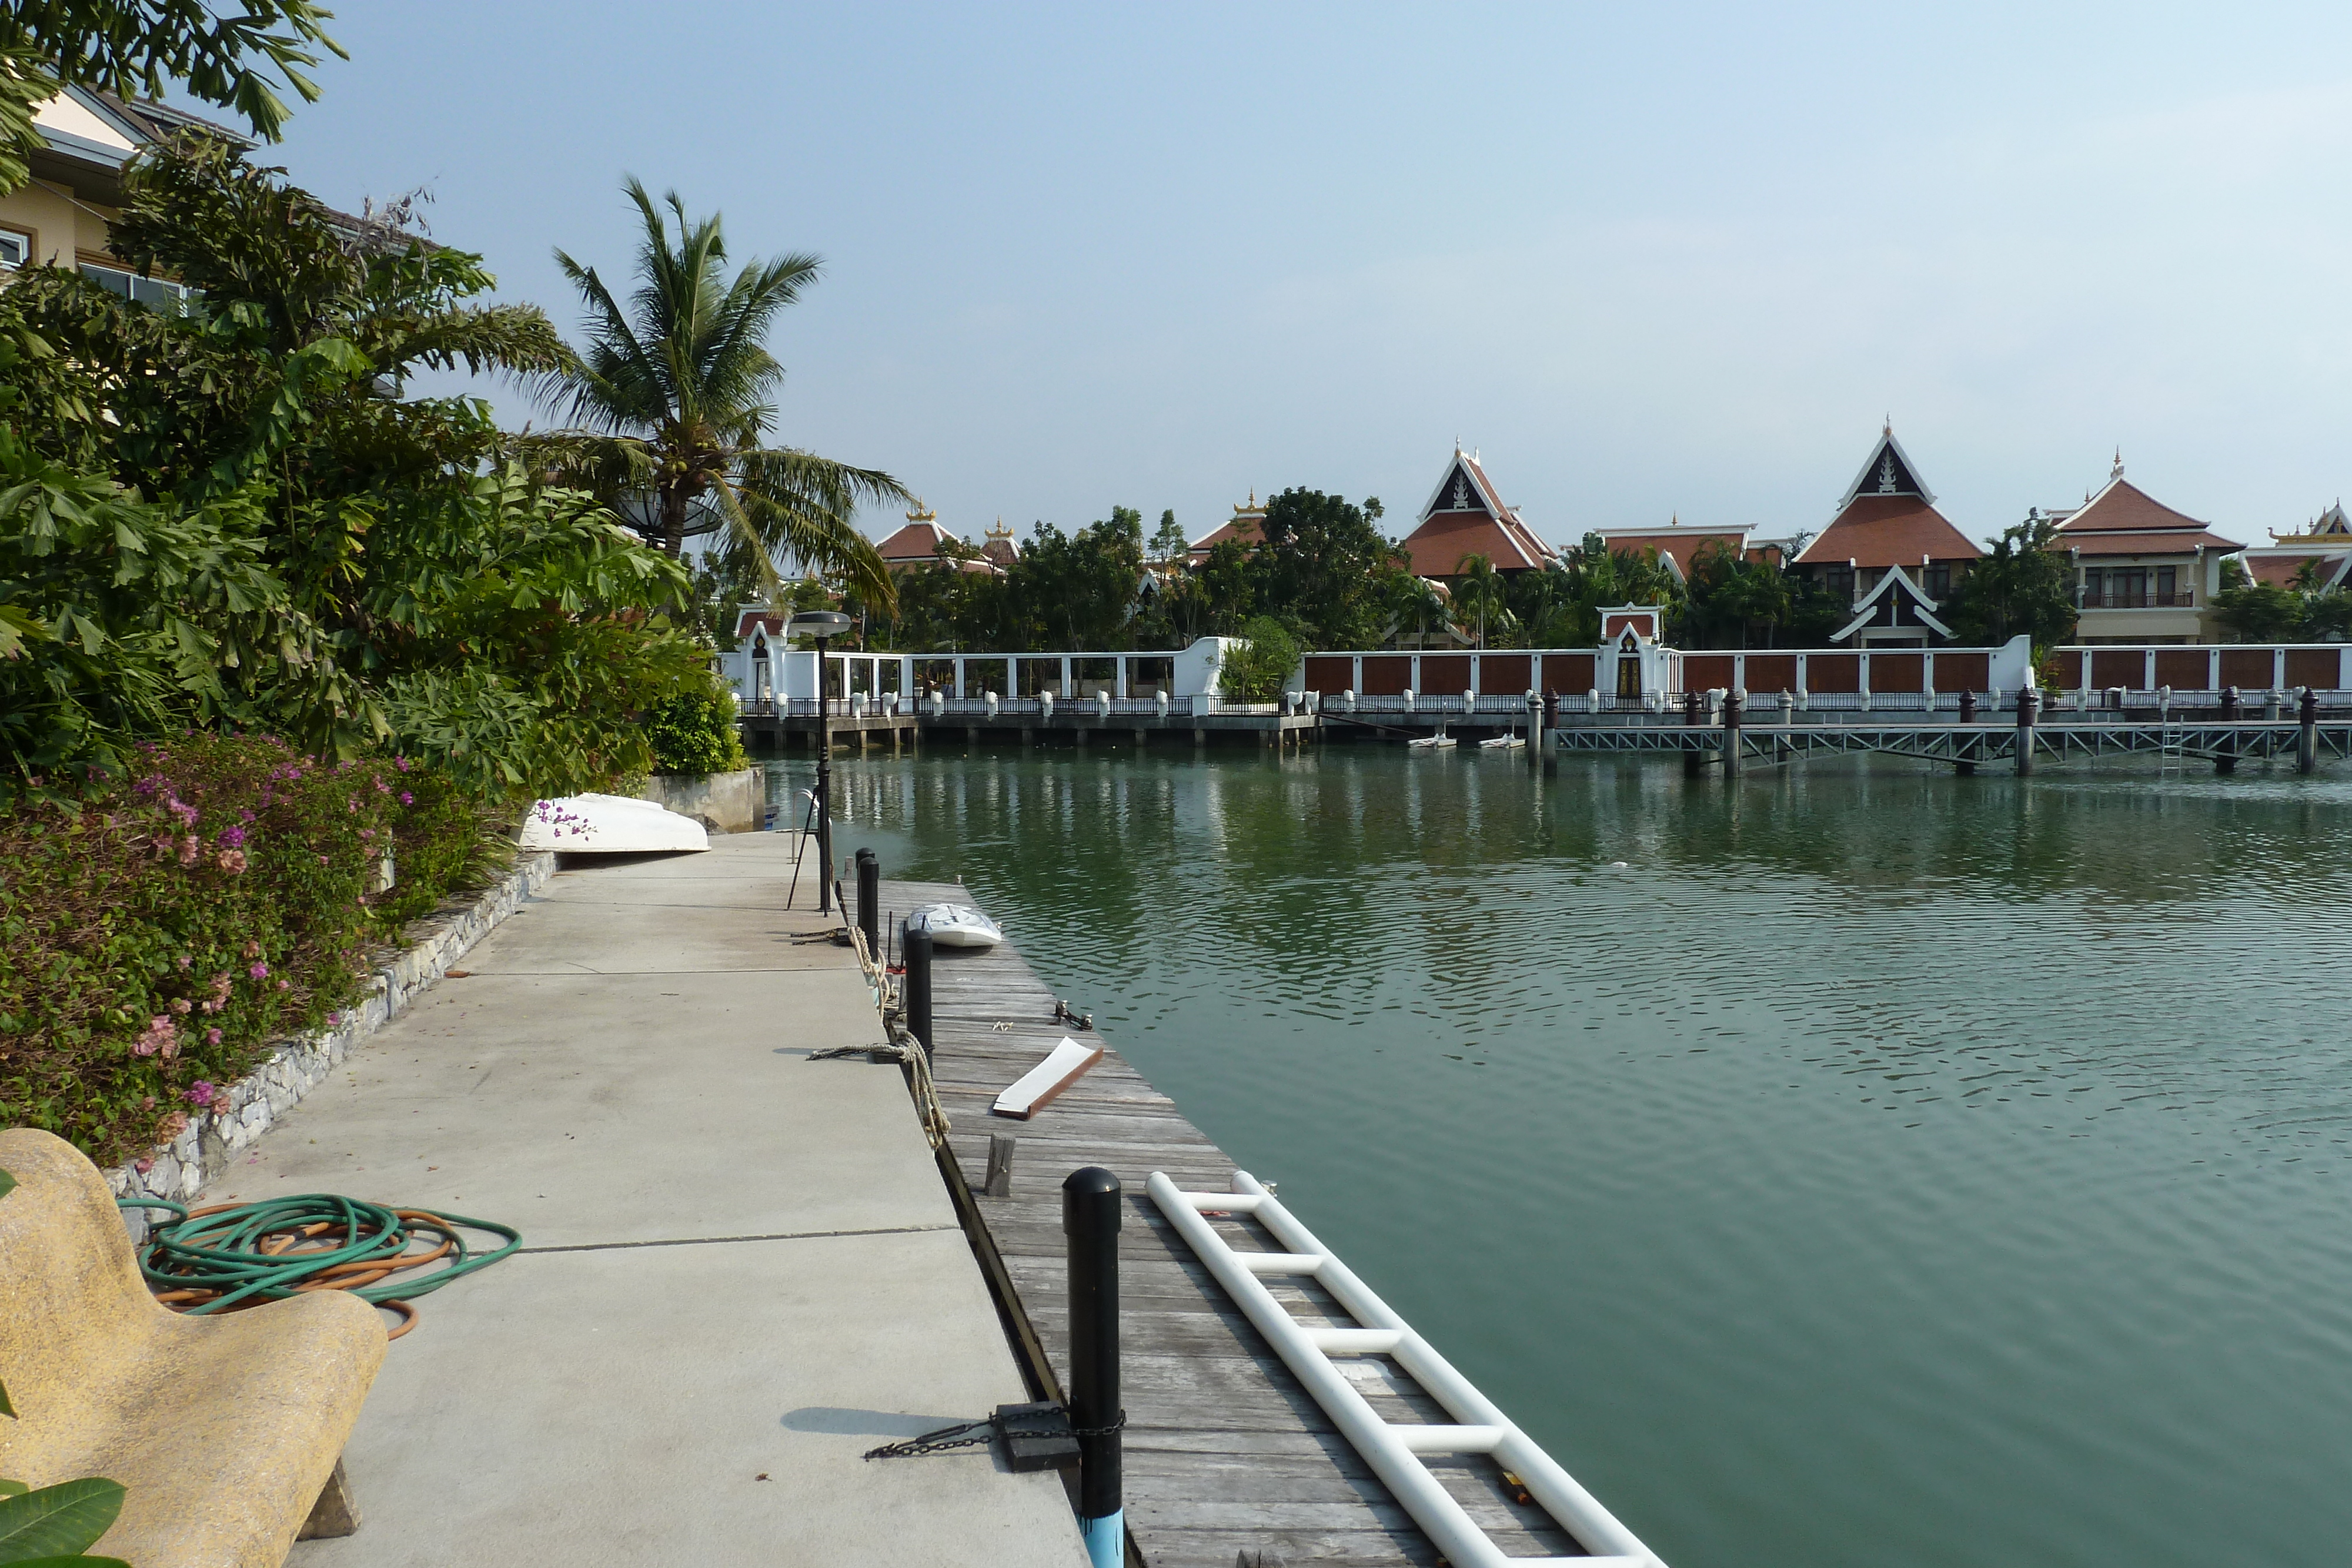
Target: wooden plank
1225	1450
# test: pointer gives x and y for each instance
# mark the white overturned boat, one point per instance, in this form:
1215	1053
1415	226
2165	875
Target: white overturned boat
955	925
1504	743
1431	743
609	825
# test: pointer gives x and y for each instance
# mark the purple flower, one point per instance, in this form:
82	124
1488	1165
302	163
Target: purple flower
406	798
200	1092
260	971
212	1036
232	839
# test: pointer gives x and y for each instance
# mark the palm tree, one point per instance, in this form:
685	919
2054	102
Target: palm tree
670	404
1481	588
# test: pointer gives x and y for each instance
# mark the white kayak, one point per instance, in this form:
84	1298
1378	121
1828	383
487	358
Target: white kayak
1504	743
955	925
609	825
1431	743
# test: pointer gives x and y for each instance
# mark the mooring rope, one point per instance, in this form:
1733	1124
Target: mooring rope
234	1255
901	1046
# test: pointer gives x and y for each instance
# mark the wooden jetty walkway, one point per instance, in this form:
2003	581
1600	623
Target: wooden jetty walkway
1226	1454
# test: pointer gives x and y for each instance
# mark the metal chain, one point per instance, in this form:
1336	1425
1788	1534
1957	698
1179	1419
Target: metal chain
935	1442
1100	1432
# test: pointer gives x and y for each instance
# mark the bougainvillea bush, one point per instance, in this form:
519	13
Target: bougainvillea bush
158	934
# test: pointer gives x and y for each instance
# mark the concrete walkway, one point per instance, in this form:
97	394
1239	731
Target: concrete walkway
741	1271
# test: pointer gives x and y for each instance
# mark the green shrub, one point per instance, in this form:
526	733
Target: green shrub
155	938
1256	668
694	732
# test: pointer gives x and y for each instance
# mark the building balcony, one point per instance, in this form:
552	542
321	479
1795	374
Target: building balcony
2147	599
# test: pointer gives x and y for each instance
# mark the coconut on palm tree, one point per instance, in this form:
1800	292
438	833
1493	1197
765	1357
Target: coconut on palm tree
671	402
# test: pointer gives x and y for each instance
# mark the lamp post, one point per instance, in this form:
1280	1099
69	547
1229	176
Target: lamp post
824	625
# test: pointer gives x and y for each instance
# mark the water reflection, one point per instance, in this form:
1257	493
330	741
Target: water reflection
1877	1166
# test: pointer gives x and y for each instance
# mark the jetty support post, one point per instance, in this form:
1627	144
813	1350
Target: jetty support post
1093	1203
2028	699
869	902
915	945
1733	701
2307	741
2225	755
1551	741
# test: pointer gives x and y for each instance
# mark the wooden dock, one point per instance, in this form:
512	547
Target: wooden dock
1227	1458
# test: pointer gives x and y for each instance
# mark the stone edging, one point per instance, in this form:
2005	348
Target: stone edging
244	1110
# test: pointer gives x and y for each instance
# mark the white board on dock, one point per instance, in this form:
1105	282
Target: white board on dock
1036	1090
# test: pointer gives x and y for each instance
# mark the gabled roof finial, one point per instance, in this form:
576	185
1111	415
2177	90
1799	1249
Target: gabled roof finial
2118	471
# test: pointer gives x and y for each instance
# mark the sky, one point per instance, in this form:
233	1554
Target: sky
1651	262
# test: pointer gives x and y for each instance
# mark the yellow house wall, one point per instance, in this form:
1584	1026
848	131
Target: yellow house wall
63	230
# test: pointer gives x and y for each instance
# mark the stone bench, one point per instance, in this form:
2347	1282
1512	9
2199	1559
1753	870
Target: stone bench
226	1431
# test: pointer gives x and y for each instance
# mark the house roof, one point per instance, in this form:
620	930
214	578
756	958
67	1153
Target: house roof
1463	516
919	540
1897	581
2124	519
772	620
1889	530
1242	526
2277	567
1888	517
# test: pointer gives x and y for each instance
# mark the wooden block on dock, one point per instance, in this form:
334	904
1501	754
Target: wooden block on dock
1035	1089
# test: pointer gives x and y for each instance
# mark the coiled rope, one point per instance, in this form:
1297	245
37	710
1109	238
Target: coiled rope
901	1046
235	1255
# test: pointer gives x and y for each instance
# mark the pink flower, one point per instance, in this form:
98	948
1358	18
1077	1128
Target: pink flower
401	763
173	1125
200	1092
161	1035
145	1163
232	860
284	985
180	1006
190	847
184	960
212	1036
406	798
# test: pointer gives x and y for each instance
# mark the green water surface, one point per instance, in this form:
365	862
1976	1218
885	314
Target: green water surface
1854	1166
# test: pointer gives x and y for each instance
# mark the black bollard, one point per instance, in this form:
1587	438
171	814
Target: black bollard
869	902
1550	736
1092	1205
1968	707
1733	701
2028	699
2306	743
916	944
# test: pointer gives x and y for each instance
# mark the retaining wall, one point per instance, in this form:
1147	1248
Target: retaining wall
722	802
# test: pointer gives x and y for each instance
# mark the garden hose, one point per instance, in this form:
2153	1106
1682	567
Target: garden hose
236	1255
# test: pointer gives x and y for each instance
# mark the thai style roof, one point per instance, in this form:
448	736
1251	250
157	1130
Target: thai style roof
999	548
1242	526
1888	517
1898	583
2124	519
1679	547
920	540
1465	517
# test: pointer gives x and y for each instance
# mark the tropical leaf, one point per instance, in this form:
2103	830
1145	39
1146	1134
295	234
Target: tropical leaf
59	1520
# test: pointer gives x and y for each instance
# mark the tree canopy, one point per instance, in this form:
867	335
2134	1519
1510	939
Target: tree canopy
2020	585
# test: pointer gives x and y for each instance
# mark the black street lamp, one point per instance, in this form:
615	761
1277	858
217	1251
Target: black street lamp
824	625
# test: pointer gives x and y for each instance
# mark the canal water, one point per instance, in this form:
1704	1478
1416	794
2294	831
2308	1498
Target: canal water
1856	1165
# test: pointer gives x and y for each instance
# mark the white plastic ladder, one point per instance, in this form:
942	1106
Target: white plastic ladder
1394	1449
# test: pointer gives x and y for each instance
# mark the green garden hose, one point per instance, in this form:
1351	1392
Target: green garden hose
239	1254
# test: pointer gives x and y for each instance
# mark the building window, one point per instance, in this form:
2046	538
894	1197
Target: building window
2094	586
158	293
1839	580
2130	587
16	249
2167	578
1939	579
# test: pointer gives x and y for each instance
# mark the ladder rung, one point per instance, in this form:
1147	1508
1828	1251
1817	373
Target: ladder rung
1448	1439
1354	1341
1224	1202
1281	1262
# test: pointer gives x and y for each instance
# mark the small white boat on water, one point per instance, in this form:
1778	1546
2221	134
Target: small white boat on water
955	925
1504	743
1431	743
610	825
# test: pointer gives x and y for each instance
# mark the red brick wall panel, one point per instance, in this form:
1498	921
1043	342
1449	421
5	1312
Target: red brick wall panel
1331	672
1833	673
1387	674
1963	672
1504	675
2247	668
1446	675
2182	669
2319	668
1897	671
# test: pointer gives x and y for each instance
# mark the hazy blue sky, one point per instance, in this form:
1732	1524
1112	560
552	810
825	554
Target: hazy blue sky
1653	260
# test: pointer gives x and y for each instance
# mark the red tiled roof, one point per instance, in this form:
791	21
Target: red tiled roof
2125	509
774	620
1439	546
2279	569
916	542
1242	528
1889	530
1685	546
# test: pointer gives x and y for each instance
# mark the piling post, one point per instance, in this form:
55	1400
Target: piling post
1092	1205
2225	755
1733	701
824	832
2028	699
1551	734
915	945
869	902
2306	742
1968	707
